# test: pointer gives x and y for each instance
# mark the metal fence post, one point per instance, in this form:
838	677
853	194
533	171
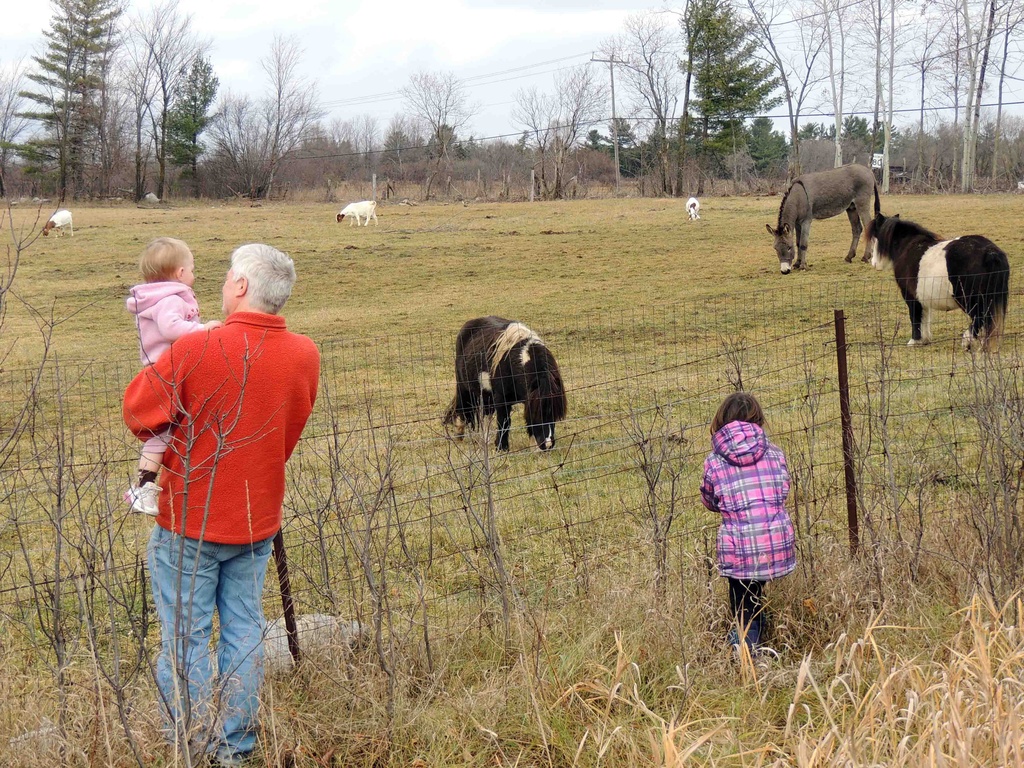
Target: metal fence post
847	423
291	630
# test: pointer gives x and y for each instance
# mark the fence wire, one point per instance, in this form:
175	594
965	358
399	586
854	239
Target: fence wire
384	508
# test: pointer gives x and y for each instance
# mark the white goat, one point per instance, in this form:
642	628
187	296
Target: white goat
366	209
693	208
60	219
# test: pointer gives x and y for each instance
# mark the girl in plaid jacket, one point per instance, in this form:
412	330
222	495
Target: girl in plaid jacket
746	481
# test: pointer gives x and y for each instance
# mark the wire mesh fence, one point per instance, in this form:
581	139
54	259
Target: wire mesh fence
392	522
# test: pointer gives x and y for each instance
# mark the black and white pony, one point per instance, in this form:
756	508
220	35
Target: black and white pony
499	363
969	272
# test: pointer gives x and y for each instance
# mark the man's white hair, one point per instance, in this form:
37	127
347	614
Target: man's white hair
271	275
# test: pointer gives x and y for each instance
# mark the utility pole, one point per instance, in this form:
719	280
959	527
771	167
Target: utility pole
611	61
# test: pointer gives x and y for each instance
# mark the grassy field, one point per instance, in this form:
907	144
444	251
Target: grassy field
538	609
433	266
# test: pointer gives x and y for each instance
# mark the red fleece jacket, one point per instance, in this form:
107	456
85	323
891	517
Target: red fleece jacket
236	399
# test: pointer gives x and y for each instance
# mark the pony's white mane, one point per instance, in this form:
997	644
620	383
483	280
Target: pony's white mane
515	333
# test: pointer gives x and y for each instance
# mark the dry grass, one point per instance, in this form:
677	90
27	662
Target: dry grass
588	664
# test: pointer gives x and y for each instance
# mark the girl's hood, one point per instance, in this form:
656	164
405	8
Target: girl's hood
740	443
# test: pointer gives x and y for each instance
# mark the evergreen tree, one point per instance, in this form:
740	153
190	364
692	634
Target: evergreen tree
813	131
768	148
856	129
69	83
189	117
396	143
597	142
731	83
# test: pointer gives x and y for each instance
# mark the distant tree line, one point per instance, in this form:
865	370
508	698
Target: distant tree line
118	105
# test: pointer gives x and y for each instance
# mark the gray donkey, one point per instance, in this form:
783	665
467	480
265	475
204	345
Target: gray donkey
822	195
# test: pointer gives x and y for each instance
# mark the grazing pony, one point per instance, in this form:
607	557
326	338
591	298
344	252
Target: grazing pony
693	208
822	195
499	363
968	272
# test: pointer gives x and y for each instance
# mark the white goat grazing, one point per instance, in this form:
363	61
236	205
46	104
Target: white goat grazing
59	220
366	209
693	208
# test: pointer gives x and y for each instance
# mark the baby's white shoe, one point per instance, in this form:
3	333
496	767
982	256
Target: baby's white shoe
144	500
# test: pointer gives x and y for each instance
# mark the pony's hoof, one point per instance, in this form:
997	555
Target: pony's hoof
967	341
916	343
849	258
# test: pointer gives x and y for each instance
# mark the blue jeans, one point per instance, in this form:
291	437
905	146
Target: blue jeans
190	579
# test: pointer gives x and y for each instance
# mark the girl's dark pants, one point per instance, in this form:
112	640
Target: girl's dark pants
746	602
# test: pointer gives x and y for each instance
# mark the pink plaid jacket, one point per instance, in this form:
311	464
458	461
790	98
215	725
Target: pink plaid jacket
747	482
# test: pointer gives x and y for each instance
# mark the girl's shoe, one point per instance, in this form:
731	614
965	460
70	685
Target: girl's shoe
143	500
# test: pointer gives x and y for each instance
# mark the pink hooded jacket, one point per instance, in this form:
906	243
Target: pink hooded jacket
746	481
164	311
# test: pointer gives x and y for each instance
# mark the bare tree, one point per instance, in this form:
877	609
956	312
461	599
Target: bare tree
239	145
794	64
12	123
292	107
252	139
109	109
1012	19
689	31
439	100
982	51
557	123
651	77
875	26
172	45
368	131
138	81
537	114
977	22
954	72
878	18
928	40
887	146
834	23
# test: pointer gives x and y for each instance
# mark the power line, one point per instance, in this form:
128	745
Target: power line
473	81
815	14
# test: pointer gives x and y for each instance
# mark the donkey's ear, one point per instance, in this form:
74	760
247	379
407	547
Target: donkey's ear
784	229
895	216
769	228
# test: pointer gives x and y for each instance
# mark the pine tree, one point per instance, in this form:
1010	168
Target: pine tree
731	84
189	117
70	80
768	148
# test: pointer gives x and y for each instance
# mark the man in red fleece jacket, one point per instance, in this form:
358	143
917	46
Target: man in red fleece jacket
236	399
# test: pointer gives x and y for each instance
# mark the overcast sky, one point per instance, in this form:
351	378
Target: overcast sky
360	52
